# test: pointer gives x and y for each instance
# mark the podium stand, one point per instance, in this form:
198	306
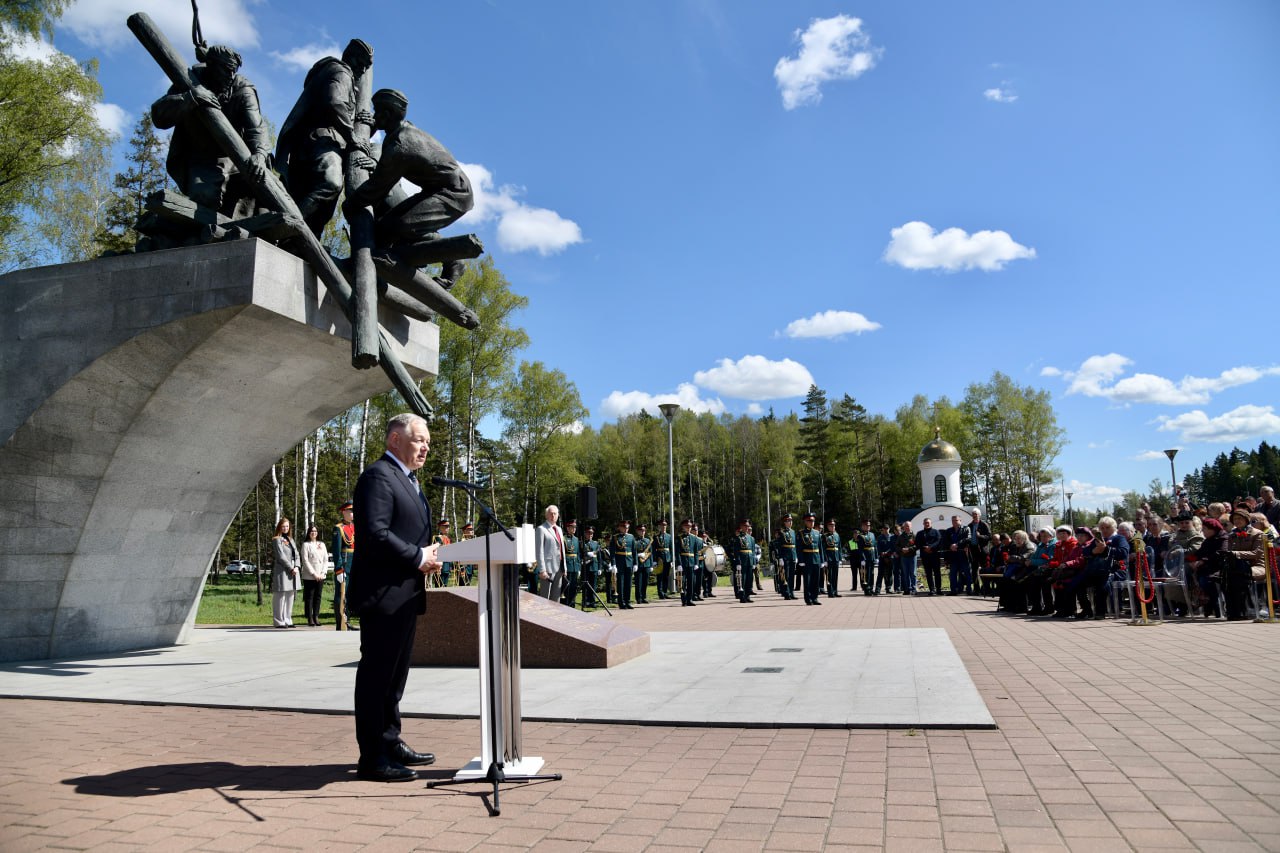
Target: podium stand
500	759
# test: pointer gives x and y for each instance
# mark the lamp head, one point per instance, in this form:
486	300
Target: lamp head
668	410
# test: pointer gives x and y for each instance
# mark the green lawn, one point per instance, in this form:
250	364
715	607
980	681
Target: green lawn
234	601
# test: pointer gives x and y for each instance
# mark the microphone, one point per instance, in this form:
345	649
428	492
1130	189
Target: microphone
457	484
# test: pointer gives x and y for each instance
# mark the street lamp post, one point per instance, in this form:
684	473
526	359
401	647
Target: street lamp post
669	412
822	489
768	506
1071	516
1173	485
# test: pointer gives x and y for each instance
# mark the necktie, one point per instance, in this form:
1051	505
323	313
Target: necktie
418	489
559	541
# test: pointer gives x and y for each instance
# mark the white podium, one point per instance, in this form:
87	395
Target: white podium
498	558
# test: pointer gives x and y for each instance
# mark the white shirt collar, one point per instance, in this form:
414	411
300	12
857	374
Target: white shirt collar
402	466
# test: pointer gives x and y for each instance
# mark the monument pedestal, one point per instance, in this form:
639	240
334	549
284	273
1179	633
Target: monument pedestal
141	397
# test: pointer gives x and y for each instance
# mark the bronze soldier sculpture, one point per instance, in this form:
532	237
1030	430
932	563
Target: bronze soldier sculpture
413	154
198	165
319	134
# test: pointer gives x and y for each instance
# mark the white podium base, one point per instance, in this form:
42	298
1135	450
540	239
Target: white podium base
476	770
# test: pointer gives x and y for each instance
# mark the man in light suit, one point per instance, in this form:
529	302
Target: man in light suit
387	591
549	546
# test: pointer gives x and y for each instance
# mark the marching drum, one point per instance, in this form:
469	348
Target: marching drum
713	559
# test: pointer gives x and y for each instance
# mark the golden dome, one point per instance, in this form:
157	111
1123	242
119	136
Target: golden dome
938	450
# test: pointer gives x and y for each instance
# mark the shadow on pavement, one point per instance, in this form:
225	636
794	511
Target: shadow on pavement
176	778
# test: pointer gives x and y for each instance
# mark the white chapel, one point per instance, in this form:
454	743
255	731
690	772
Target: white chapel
939	463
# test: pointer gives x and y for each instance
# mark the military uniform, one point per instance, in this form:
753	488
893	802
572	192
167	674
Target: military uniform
343	550
623	546
865	542
644	565
446	569
709	577
688	547
663	559
591	566
572	567
743	555
783	548
831	559
809	562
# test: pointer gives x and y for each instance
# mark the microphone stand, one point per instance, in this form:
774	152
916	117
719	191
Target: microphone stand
494	773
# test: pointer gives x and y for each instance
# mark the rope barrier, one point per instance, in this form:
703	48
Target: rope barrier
1142	567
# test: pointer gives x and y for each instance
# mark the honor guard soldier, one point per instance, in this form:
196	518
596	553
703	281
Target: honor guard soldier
572	563
784	550
687	550
446	569
344	548
831	558
662	557
810	559
866	542
623	547
467	571
644	564
590	567
743	555
708	576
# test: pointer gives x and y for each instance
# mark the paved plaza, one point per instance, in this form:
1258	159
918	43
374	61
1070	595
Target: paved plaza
1109	737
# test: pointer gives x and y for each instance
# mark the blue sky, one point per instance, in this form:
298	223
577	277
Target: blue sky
697	195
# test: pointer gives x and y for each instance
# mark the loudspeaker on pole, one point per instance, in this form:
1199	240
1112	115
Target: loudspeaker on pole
587	503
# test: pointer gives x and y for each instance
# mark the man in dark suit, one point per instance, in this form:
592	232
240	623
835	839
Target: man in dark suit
979	543
393	527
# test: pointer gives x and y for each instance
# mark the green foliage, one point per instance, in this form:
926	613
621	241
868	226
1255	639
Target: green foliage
32	17
540	407
1233	474
144	175
47	122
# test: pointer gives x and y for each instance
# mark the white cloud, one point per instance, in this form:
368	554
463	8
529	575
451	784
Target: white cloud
1094	372
1090	496
621	403
302	58
830	324
520	227
1098	376
830	49
1244	422
1097	445
917	246
755	410
1148	455
111	118
1002	94
754	377
574	428
101	23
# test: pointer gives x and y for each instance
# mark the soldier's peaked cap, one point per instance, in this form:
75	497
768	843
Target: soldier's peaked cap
390	96
345	505
808	515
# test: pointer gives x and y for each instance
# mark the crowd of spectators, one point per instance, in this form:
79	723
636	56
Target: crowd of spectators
1203	560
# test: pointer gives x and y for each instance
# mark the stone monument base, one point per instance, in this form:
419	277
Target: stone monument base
552	636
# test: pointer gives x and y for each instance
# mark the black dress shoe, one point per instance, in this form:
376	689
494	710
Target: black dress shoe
405	755
385	771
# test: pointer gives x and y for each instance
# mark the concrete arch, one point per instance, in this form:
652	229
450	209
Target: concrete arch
140	399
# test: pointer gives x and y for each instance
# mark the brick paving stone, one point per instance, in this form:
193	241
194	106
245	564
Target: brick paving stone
1076	763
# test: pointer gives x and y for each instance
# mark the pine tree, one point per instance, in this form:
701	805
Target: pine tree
145	175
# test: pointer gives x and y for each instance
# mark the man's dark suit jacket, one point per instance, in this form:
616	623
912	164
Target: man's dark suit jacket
392	522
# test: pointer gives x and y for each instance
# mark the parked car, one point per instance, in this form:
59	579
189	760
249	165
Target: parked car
240	567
